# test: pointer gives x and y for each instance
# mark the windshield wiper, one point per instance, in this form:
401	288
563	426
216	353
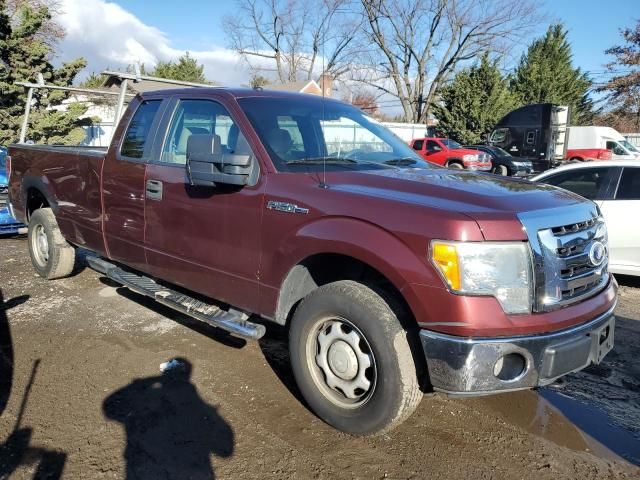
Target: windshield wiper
337	161
401	162
321	160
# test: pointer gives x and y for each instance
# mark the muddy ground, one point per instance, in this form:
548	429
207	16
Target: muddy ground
82	396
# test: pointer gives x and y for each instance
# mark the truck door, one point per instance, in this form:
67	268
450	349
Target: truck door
206	239
123	188
435	152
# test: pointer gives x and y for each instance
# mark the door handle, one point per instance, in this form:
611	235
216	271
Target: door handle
154	190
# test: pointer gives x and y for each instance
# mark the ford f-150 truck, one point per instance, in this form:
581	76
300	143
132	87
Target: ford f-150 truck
393	276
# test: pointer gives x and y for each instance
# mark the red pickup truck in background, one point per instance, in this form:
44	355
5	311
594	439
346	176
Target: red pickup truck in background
448	153
393	276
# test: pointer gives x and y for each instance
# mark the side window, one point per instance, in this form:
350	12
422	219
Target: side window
137	134
432	146
629	188
615	148
417	145
200	117
499	135
589	183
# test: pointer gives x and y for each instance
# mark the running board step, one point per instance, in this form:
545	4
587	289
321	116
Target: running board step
232	321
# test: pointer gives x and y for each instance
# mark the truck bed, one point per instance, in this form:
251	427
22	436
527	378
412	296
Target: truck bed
69	178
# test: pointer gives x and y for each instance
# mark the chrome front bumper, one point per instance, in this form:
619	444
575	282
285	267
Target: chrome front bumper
480	366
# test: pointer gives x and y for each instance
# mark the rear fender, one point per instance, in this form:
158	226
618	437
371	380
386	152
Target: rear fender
40	184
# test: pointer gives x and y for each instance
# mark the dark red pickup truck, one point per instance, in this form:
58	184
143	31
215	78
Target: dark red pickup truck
393	276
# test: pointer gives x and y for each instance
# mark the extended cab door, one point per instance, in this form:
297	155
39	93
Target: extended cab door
123	183
206	239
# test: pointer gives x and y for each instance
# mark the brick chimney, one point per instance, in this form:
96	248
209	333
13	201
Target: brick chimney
326	84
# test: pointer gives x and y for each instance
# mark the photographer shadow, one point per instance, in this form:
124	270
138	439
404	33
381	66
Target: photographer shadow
171	431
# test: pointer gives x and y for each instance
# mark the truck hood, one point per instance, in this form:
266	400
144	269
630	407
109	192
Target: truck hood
493	202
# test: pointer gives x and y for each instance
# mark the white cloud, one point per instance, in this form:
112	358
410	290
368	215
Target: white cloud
107	35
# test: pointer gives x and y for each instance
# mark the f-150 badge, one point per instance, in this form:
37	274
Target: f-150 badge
286	207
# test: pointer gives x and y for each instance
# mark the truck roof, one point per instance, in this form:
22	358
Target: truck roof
239	93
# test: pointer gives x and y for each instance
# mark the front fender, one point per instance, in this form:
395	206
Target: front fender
363	241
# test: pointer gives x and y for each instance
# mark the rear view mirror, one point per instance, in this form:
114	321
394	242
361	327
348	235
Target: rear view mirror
208	164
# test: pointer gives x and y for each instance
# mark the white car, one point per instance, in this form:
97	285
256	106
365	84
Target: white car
615	186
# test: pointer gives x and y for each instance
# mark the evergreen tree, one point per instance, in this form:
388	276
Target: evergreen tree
186	69
546	75
473	102
93	81
23	54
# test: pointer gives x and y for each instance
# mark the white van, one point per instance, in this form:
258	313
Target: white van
587	143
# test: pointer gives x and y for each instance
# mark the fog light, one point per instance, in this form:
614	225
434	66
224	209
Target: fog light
509	367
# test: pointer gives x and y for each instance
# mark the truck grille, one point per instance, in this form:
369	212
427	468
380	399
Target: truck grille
570	257
4	194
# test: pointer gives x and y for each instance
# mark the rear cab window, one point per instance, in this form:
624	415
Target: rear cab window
629	188
136	142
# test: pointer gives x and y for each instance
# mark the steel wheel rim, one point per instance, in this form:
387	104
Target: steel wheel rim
40	245
341	362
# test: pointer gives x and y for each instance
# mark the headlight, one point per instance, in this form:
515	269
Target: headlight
469	157
498	269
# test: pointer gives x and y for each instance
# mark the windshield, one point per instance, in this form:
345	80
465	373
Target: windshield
451	144
3	157
630	146
313	135
500	152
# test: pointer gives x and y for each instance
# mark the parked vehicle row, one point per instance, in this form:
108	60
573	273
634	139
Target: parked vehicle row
392	275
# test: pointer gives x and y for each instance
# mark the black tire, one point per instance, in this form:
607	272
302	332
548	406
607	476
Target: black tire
575	160
51	255
394	393
501	170
455	165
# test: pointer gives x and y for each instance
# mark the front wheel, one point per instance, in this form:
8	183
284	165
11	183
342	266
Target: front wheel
500	170
51	255
455	166
352	360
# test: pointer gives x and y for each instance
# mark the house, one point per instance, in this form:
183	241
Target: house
324	83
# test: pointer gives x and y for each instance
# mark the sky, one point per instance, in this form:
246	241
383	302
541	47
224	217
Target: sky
116	33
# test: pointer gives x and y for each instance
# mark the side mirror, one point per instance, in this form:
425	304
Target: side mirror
207	164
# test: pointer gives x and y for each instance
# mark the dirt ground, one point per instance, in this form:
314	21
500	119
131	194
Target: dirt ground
82	396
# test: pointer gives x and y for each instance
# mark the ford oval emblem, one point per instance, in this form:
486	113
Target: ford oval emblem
597	254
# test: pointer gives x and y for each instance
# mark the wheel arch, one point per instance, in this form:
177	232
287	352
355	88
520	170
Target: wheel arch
36	195
340	248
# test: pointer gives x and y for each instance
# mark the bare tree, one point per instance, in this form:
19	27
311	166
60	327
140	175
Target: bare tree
290	38
413	46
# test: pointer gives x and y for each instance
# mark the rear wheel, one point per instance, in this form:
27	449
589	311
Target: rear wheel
51	255
351	359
